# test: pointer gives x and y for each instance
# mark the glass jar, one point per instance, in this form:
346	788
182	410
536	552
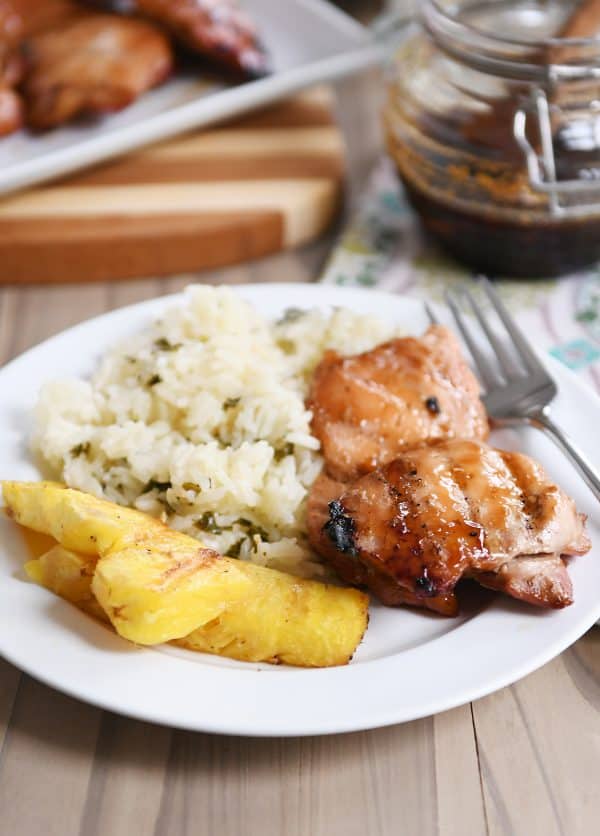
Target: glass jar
493	122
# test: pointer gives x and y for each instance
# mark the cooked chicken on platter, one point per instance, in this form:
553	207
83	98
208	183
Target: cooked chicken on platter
11	68
412	529
68	58
94	63
11	111
11	33
369	408
217	29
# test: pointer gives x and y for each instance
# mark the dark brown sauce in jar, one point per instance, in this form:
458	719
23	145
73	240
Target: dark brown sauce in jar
505	248
498	140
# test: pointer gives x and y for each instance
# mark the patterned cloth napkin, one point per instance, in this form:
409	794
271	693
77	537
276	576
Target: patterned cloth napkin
384	248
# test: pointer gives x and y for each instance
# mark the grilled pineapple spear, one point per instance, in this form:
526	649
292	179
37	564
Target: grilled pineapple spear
158	585
69	575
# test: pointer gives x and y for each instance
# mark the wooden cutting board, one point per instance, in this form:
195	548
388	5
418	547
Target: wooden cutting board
236	192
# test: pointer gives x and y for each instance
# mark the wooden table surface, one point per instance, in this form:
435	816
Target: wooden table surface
523	761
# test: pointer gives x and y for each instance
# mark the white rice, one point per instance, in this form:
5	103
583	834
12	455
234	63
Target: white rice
200	420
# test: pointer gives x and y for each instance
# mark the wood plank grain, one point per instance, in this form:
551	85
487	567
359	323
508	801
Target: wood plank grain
256	143
459	793
350	784
10	678
127	778
519	793
311	107
204	771
120	294
160	199
216	170
560	708
241	274
46	762
123	247
9	302
393	758
52	309
224	155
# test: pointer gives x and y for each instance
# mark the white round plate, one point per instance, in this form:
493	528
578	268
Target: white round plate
410	664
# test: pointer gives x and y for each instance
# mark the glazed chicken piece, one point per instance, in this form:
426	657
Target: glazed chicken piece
369	408
412	529
216	29
11	67
91	64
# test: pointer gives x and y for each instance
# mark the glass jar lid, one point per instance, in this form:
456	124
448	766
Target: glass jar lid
517	40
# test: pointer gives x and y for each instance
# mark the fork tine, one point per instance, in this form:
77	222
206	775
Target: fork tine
489	378
506	364
525	351
429	311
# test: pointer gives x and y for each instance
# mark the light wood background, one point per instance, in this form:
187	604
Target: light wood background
524	761
260	184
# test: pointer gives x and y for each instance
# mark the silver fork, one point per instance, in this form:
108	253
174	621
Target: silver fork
518	389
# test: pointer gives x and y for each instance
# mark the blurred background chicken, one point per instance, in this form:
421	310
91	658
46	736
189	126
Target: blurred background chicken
61	59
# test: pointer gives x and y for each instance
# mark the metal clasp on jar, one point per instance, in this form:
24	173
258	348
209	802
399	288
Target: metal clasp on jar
575	197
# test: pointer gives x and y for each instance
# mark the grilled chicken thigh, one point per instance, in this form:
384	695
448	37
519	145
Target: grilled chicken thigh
369	408
216	29
92	63
322	514
412	529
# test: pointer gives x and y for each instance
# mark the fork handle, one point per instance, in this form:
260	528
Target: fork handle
542	421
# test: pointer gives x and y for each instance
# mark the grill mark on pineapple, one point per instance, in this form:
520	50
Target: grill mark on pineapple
202	557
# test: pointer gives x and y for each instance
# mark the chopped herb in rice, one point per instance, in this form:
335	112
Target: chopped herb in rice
231	403
163	344
153	485
81	449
